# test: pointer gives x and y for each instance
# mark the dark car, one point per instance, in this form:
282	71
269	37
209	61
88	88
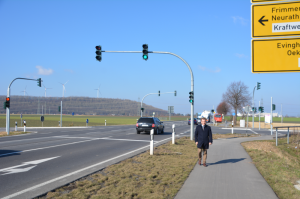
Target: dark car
146	124
195	121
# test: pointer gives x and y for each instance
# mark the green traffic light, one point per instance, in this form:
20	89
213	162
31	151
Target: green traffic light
145	57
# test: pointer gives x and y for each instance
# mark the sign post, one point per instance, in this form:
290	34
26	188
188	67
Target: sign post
72	117
170	111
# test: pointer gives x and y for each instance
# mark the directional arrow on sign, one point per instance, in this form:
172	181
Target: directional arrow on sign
26	166
262	20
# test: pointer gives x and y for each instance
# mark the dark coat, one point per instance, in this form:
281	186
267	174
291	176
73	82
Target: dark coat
203	137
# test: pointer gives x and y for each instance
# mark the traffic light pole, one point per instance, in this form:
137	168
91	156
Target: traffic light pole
253	108
191	72
259	115
8	108
150	94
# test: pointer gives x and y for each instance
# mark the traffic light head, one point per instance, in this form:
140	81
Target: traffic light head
175	93
212	110
273	107
191	97
158	93
39	82
145	52
58	108
262	109
258	86
98	53
142	109
259	109
7	103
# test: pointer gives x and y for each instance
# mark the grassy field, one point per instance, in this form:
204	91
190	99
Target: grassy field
68	120
143	176
278	165
275	119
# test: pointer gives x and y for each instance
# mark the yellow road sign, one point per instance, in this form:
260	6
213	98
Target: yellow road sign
276	55
273	20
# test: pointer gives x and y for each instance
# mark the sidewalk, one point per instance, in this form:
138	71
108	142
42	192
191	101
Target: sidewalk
229	174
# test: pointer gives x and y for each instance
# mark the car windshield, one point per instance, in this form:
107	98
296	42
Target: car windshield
217	115
145	120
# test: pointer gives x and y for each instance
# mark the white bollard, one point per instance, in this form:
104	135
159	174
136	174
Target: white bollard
173	134
105	122
16	127
151	141
232	127
24	126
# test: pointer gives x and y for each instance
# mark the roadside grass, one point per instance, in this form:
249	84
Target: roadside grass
278	165
235	135
4	134
143	176
68	120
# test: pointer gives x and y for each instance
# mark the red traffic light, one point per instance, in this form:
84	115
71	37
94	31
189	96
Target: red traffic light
7	99
98	47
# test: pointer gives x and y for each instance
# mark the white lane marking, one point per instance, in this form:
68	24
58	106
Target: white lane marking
107	138
30	139
240	129
75	172
31	164
253	131
77	127
74	137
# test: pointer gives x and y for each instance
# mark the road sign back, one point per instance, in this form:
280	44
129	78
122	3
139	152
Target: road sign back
276	55
273	20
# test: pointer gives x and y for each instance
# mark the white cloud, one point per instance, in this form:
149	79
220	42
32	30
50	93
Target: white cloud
240	55
43	71
237	19
217	70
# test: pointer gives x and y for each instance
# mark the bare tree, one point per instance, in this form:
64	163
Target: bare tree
223	108
237	96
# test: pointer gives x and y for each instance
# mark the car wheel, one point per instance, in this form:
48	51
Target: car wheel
156	132
138	132
163	131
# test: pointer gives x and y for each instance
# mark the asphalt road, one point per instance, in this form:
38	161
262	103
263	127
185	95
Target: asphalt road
33	164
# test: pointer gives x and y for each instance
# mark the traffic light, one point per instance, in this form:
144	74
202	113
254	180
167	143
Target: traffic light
212	110
273	107
191	97
258	85
142	109
145	52
175	93
39	82
255	110
6	103
262	109
58	108
158	93
259	109
98	53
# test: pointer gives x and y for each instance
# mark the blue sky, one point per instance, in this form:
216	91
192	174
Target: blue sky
56	40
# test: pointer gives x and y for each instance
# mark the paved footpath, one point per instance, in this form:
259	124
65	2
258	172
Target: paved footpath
229	174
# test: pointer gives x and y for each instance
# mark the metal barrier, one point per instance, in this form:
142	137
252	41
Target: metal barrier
288	135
